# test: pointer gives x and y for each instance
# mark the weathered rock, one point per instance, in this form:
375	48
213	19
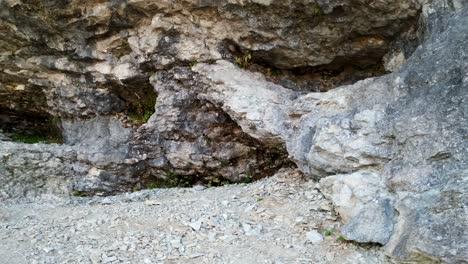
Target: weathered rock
351	192
85	68
64	65
409	127
373	223
190	136
325	133
32	170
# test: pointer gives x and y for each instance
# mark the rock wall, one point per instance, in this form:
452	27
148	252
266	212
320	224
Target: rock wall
145	91
395	145
79	73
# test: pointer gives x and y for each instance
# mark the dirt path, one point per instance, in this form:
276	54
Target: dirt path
275	220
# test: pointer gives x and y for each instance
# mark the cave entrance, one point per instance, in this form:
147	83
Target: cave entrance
23	115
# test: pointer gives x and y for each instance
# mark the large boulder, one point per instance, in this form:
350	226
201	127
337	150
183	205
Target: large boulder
406	130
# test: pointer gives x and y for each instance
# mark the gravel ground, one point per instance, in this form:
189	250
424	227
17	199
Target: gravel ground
281	219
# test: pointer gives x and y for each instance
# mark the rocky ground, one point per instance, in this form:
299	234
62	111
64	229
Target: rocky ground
282	219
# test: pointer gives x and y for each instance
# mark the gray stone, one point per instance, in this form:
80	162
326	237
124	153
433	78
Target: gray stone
373	224
314	237
351	192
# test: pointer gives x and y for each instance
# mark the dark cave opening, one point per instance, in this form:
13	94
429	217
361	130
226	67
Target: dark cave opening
23	115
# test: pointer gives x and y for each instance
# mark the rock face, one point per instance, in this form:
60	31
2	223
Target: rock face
406	130
149	91
79	73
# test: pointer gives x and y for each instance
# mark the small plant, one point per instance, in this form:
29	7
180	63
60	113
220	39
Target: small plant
247	179
193	64
329	232
217	182
140	119
341	239
244	61
316	9
49	134
32	139
259	199
174	180
224	183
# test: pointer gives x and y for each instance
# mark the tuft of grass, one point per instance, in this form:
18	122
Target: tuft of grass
175	180
51	134
29	139
152	186
32	139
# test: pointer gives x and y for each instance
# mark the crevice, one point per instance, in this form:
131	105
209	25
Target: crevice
138	96
225	154
305	79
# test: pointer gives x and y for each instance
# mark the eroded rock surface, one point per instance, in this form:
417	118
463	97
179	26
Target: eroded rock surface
84	68
143	91
408	127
